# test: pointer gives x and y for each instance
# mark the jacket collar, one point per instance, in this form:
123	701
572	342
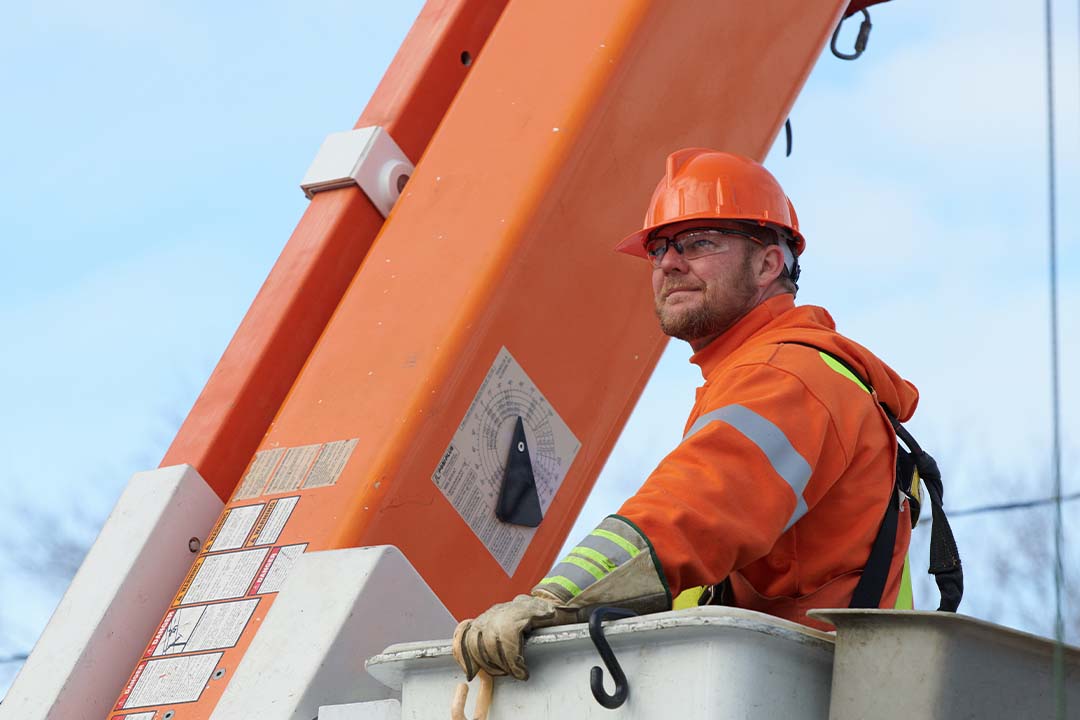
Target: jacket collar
710	356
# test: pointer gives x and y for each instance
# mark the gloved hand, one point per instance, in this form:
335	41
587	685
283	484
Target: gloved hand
494	642
614	565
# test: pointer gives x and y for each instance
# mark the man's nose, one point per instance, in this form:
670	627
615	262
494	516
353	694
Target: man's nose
672	260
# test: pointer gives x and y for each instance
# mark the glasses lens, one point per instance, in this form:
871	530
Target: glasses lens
655	249
699	242
692	243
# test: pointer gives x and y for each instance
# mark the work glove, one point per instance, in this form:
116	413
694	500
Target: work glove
613	566
495	641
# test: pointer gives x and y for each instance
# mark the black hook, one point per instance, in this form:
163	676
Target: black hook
787	134
596	675
860	40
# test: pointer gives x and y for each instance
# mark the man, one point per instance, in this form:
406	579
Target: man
774	497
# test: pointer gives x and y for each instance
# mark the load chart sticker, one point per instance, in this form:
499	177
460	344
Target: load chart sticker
222	577
139	716
279	470
203	627
168	680
470	472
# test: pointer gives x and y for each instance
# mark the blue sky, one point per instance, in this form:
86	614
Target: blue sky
151	157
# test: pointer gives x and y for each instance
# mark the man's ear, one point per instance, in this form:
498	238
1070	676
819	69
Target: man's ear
769	265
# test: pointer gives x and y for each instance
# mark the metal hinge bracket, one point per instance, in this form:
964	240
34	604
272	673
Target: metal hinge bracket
367	157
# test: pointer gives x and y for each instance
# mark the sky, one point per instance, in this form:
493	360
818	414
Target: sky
151	157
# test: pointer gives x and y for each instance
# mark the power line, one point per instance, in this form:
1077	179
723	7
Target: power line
17	657
1055	387
1017	505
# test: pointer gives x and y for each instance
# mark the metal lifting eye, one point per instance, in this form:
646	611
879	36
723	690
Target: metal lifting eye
860	41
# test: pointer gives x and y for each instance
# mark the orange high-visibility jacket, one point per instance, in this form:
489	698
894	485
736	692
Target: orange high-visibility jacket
786	466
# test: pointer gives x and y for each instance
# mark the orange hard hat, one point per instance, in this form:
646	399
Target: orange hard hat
712	185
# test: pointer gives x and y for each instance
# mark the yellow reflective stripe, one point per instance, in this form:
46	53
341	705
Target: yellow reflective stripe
564	582
597	557
586	566
688	598
904	600
839	367
617	539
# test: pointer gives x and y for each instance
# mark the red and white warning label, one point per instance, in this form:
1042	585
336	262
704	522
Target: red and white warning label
276	568
148	715
235	527
169	680
223	577
203	627
272	520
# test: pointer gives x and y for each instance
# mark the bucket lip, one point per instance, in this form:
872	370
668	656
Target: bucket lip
390	665
955	624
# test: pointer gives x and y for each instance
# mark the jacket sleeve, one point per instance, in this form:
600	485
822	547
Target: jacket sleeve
759	453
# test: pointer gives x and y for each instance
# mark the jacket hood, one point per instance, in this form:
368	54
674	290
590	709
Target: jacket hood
814	326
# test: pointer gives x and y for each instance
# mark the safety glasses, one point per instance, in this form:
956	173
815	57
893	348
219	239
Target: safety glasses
693	243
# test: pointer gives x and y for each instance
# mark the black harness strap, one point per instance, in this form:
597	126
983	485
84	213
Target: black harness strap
944	556
871	585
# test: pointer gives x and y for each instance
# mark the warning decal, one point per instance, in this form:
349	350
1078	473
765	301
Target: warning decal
169	680
195	566
223	577
272	520
149	715
234	528
293	469
264	463
286	469
204	627
470	471
276	568
331	462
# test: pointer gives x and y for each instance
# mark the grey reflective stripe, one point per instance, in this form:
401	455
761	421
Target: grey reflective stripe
782	455
605	547
577	575
611	545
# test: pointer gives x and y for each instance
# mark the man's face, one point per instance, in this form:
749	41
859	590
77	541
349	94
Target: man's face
696	300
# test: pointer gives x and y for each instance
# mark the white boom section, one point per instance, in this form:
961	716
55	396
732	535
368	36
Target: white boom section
99	629
336	609
374	710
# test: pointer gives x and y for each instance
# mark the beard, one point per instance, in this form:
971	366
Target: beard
723	304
